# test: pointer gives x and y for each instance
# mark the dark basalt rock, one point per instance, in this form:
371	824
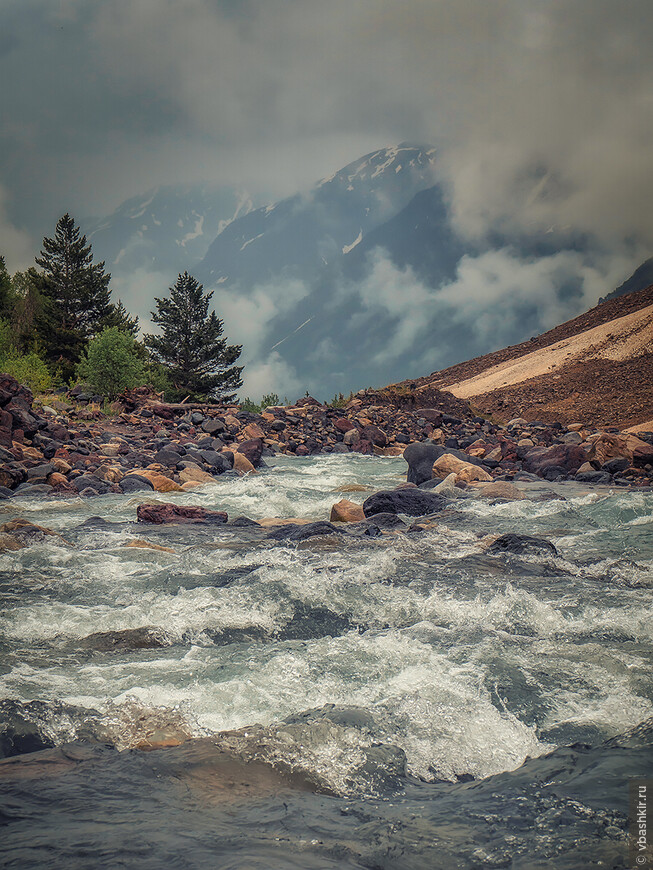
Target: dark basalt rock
135	483
594	477
85	481
167	512
213	427
311	622
301	533
420	459
521	545
414	502
128	638
218	462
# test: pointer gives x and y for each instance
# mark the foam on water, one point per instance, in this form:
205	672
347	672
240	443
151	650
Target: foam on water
463	662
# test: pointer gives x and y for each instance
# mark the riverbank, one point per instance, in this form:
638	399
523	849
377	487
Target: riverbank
67	449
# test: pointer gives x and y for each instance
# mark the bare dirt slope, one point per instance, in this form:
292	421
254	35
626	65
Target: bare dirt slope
596	368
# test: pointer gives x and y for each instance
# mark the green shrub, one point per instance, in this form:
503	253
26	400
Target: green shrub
249	406
111	363
30	370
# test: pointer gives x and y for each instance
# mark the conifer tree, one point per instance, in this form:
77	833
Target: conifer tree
120	317
199	361
75	290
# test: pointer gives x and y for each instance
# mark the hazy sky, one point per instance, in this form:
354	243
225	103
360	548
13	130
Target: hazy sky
102	100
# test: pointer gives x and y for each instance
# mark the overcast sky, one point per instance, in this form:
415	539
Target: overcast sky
103	100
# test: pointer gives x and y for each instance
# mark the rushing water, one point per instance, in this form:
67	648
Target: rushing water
402	701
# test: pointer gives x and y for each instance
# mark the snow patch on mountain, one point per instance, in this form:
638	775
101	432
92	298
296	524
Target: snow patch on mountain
347	248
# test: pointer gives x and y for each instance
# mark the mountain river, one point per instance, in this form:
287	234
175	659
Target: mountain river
408	701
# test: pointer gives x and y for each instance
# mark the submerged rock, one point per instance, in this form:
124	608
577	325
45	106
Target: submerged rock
128	638
521	545
182	514
414	502
301	533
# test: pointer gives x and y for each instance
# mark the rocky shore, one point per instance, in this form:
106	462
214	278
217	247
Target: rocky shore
68	449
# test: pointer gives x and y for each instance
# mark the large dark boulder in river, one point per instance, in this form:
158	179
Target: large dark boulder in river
414	502
521	545
295	532
420	458
135	483
167	512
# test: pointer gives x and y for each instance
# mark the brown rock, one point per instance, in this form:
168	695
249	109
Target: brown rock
8	543
450	464
167	512
242	464
500	489
346	511
610	445
391	450
194	475
342	424
146	545
374	434
61	465
253	430
110	473
159	481
252	449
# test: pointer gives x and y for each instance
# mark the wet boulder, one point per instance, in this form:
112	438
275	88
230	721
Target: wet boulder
420	458
521	545
84	481
568	457
292	532
135	483
413	502
252	449
167	512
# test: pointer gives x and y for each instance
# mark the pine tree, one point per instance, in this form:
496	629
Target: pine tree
76	293
7	296
199	360
120	317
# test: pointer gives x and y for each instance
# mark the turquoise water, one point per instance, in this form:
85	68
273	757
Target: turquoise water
390	671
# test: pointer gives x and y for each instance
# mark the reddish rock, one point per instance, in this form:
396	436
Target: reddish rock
342	424
567	456
182	514
375	435
302	450
252	449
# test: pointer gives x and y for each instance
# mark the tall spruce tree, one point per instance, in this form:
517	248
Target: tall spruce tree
75	291
199	361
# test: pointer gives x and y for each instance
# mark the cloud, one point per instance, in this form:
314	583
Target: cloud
270	375
542	111
15	245
497	298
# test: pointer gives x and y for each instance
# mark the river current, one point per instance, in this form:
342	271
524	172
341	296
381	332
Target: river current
402	701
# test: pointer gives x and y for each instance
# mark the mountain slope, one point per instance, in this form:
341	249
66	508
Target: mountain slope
300	235
596	368
167	228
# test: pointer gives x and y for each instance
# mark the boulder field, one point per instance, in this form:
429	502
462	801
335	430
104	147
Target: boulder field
67	448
